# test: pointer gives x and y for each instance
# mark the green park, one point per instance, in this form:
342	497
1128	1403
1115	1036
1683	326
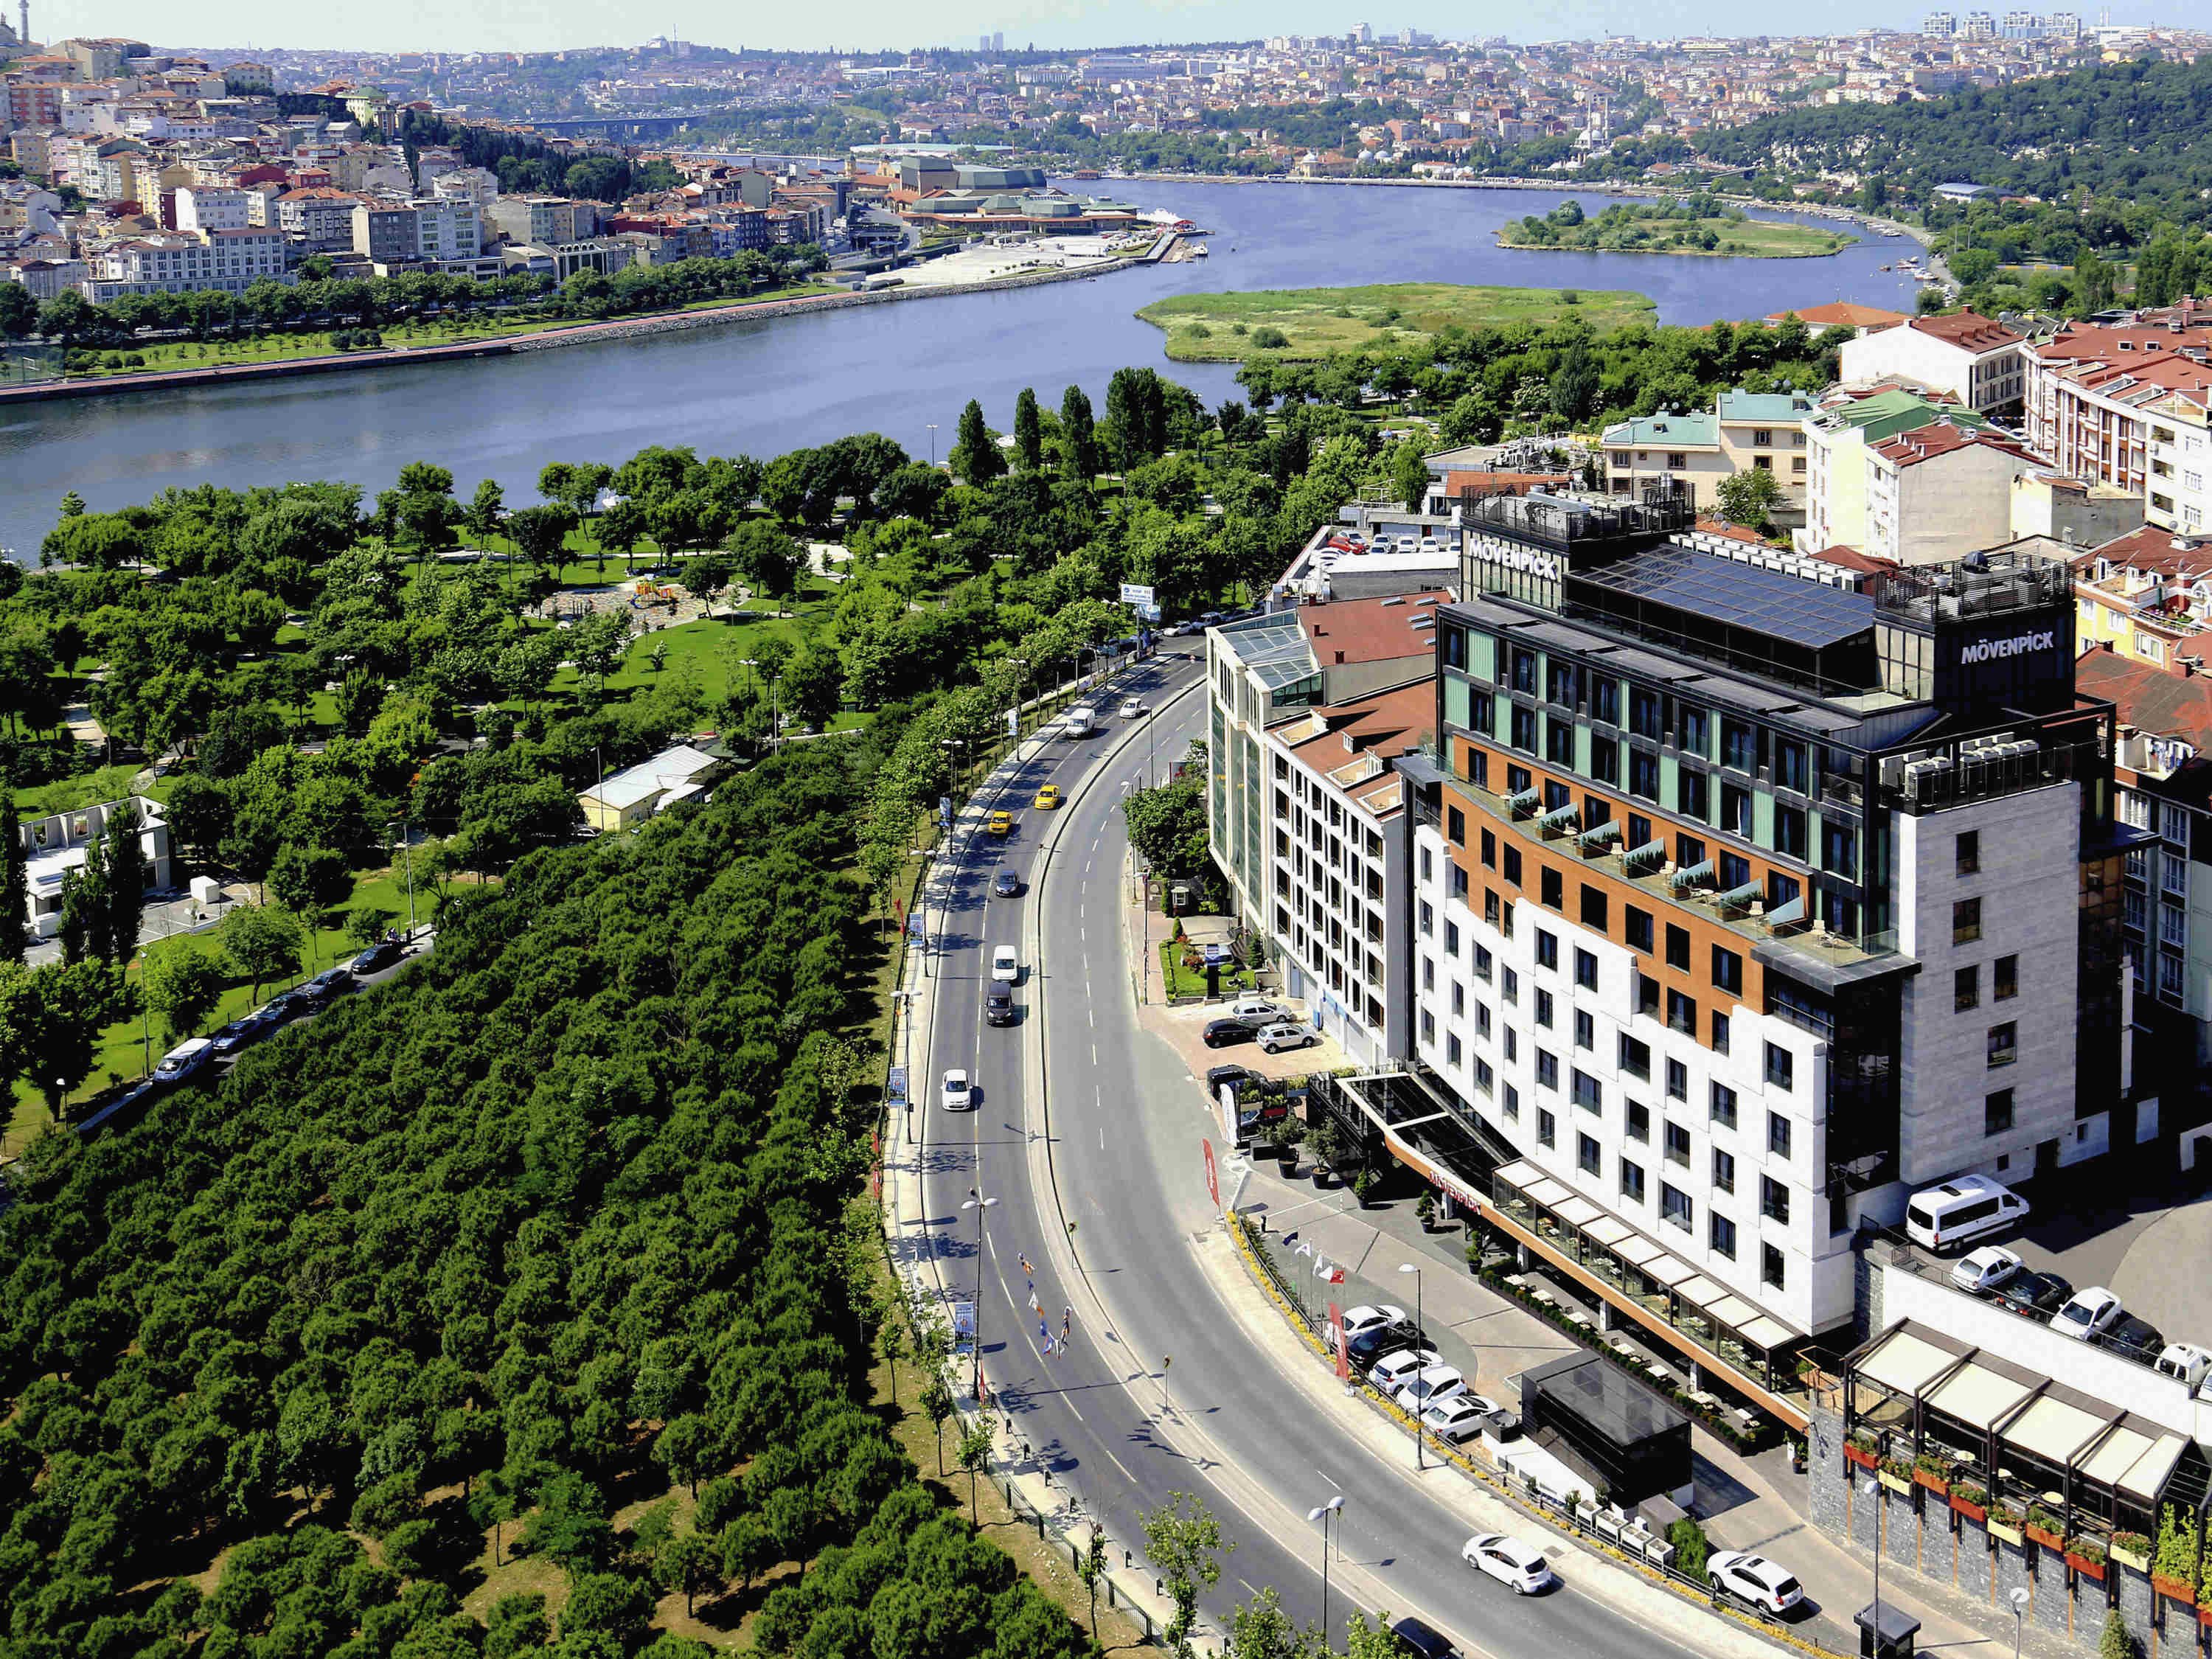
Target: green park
1309	324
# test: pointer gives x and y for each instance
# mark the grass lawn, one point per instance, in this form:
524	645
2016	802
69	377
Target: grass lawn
1753	239
1316	321
1183	981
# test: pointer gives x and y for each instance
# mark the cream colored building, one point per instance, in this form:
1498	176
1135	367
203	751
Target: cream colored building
1935	494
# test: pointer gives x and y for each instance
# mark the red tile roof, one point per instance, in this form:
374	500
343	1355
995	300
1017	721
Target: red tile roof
2151	547
1843	313
1968	330
1926	443
1369	630
1850	558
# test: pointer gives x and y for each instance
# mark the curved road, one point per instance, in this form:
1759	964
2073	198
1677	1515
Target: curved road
1083	1117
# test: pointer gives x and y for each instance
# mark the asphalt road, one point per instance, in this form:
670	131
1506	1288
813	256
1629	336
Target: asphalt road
1157	1390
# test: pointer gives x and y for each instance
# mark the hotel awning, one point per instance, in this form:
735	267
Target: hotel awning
2152	1470
2122	1450
1608	1231
1548	1193
1737	898
1563	817
1522	800
1516	1175
1636	1250
1667	1271
1604	835
1768	1333
1789	914
1733	1310
2053	1430
1905	1364
1644	857
1978	1397
1578	1212
1691	876
1702	1292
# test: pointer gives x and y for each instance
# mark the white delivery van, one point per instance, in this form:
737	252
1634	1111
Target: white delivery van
1961	1211
1080	722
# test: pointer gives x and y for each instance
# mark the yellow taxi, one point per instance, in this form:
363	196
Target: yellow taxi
999	824
1048	797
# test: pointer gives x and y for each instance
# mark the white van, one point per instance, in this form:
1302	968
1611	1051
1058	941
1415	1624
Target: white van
1080	722
1958	1212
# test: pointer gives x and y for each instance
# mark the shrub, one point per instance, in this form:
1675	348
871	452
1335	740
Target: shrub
1691	1545
1269	338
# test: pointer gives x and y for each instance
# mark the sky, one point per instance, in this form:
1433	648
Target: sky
548	25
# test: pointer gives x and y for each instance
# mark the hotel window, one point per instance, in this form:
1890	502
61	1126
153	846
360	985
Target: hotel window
1966	988
1728	970
1451	940
1518	779
1484	1078
1632	1182
1605	760
1969	855
1524	730
1451	1048
1562	685
1838	849
1724	1171
1547	1072
1735	809
1489	850
1647	995
1455	826
1585	1090
1547	951
1724	1236
1428	975
1678	1145
1644	713
1773	1200
1770	1265
1678	947
1459	1000
2005	977
1482	1019
1996	1112
1639	1120
1585	1029
1638	927
1789	831
1543	1009
1689	852
1513	866
1690	795
1510	988
1676	1208
1735	872
1965	921
1428	1027
1482	963
1635	1057
1790	768
1678	1080
1720	1032
1643	775
1523	666
1553	888
2003	1045
1459	883
1559	741
1512	1046
1781	1069
1695	730
1548	1128
1739	745
1585	970
1681	1014
1605	700
1594	908
1777	1135
1490	911
1639	833
1428	919
1589	1155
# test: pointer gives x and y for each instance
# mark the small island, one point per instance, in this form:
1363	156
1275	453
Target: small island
1702	224
1308	323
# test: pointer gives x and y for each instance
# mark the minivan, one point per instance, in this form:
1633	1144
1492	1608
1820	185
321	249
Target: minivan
1970	1207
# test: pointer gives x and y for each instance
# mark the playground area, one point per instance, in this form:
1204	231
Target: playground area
648	604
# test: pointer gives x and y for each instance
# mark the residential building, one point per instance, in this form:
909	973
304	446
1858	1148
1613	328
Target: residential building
447	227
2179	494
1766	430
2146	596
318	218
57	845
1976	360
1843	313
1767	901
543	220
2073	510
1669	455
2092	389
1938	493
206	207
387	232
231	260
1837	436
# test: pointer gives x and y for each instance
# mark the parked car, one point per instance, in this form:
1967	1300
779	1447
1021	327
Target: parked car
1394	1370
1258	1010
2035	1296
1047	798
246	1028
1370	1344
1958	1211
999	1006
1365	1317
1221	1033
1005	884
1217	1075
958	1094
2185	1362
2087	1313
1458	1417
1287	1034
1420	1641
1006	966
187	1060
2134	1339
1508	1561
1753	1578
1982	1271
1435	1383
378	956
287	1004
330	983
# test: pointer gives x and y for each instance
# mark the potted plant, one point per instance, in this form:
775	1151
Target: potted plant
2045	1528
1362	1187
1933	1472
1425	1210
1329	1150
2005	1523
2130	1549
2086	1557
1895	1475
1969	1500
1289	1135
1859	1449
2174	1568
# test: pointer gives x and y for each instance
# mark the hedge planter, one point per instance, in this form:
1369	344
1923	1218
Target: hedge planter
2177	1589
1935	1483
2139	1559
1891	1482
2085	1566
1865	1460
2204	1615
2045	1536
2007	1530
1970	1509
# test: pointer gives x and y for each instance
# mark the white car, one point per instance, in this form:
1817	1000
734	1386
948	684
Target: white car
2087	1313
1132	709
1508	1561
957	1095
1288	1034
1459	1417
1004	964
1983	1270
1753	1578
1255	1008
1435	1383
1365	1318
1394	1370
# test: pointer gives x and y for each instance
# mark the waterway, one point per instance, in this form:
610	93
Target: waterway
763	387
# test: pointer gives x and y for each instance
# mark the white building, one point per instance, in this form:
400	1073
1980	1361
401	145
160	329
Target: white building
1978	361
447	227
211	207
57	845
230	260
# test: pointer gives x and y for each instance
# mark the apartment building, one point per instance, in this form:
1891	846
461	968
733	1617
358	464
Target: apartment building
2179	495
231	260
1938	493
56	844
2146	596
318	218
1837	436
2092	392
447	227
387	232
1766	430
211	207
1671	455
1978	360
1307	710
543	220
1766	901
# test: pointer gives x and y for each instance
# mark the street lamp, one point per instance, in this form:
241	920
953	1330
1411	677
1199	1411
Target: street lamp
2018	1598
1413	1268
933	446
1323	1515
977	1202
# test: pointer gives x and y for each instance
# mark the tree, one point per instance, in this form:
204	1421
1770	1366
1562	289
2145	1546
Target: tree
1168	825
1091	1567
541	532
309	880
14	876
1409	475
51	1020
1029	431
767	557
263	944
182	984
685	1448
1184	1542
610	1604
975	1457
1747	497
937	1405
975	455
487	509
2116	1640
1260	1629
1079	434
686	1562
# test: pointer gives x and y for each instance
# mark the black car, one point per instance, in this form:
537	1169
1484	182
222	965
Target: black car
1005	884
1378	1340
999	1006
330	983
242	1030
1221	1033
1217	1075
2134	1339
288	1006
2035	1296
378	956
1421	1641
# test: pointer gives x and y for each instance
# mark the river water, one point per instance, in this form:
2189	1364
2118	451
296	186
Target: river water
762	387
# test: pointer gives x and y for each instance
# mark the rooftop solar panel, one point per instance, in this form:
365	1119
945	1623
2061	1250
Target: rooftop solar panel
1743	596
